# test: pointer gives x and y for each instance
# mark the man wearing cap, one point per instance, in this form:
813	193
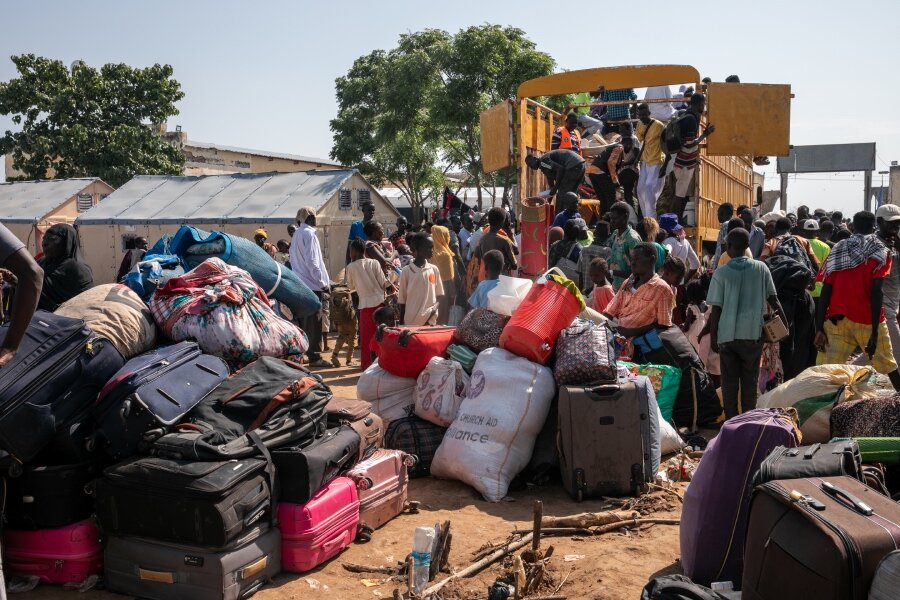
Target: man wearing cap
810	231
308	264
678	245
851	310
357	228
260	236
564	170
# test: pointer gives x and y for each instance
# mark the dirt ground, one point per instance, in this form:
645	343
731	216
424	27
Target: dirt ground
614	566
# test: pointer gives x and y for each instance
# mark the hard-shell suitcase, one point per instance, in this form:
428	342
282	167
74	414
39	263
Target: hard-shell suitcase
418	438
303	471
53	378
151	393
818	460
405	351
45	497
209	504
716	503
68	554
382	482
819	538
358	415
609	440
320	529
877	450
279	401
160	571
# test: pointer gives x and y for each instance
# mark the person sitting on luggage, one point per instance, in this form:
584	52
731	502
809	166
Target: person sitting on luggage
493	266
364	276
65	273
29	279
420	284
644	301
603	292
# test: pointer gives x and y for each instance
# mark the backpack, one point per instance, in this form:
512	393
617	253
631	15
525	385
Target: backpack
791	248
671	139
677	587
342	305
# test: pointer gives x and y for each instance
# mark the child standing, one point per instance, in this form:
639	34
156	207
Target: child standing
493	265
382	316
420	284
344	316
366	277
698	312
603	292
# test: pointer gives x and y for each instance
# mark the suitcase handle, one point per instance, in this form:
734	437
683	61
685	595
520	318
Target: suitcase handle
611	390
838	493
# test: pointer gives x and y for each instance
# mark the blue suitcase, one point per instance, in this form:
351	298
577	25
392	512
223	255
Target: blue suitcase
52	380
150	394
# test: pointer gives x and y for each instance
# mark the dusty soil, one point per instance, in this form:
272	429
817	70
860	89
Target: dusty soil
614	566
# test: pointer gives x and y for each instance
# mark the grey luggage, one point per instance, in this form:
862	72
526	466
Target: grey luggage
158	571
609	442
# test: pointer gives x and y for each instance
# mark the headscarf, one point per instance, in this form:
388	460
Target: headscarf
66	277
443	255
854	251
261	233
304	213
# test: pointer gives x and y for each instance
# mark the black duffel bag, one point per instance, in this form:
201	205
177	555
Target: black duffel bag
303	471
818	460
279	400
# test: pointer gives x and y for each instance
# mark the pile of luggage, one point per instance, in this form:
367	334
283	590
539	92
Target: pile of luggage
524	388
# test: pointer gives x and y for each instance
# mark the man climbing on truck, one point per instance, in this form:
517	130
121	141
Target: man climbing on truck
564	170
688	155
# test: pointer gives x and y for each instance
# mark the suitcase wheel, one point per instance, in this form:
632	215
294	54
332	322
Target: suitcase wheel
364	534
15	469
413	507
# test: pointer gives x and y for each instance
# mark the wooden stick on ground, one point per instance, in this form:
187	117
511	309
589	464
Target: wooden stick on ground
585	520
633	523
477	567
354	568
536	533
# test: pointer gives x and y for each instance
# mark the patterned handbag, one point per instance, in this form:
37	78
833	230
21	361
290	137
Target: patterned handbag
417	437
585	353
480	330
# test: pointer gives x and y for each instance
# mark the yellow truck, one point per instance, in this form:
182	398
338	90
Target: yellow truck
750	119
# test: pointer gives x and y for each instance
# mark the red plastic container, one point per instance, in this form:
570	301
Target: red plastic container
535	326
405	351
67	554
319	530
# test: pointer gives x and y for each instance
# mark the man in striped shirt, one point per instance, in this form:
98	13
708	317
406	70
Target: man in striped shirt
688	156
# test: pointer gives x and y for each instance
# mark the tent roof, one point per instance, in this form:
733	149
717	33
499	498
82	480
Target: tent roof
234	198
266	153
31	201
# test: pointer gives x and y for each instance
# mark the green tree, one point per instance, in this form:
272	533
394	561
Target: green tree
87	122
482	66
384	124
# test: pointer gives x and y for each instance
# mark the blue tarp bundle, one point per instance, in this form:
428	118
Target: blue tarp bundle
193	246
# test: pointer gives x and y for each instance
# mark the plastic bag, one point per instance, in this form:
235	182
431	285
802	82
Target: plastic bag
506	297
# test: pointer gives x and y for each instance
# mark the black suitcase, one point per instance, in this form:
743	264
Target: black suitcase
159	571
151	393
53	378
279	400
303	471
45	497
818	460
209	504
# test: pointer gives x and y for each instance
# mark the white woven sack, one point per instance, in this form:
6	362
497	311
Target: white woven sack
440	389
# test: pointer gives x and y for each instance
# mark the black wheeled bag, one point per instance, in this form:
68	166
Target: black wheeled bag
358	415
417	437
159	571
279	400
53	378
209	504
818	460
303	471
150	394
45	497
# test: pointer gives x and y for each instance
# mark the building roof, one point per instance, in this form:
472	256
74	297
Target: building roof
266	153
232	198
31	201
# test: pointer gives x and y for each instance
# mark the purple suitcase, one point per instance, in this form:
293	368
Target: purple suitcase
717	501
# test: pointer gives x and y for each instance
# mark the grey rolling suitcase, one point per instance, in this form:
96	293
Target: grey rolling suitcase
158	571
609	442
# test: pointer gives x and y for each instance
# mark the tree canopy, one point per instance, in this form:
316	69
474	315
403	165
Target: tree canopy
89	122
408	115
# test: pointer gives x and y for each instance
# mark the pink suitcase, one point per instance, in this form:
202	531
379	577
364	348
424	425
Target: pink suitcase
67	554
382	483
319	530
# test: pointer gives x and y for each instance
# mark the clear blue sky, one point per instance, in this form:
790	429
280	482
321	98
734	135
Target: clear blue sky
261	74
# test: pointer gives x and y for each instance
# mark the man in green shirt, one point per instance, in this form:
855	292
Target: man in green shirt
738	294
810	230
621	242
